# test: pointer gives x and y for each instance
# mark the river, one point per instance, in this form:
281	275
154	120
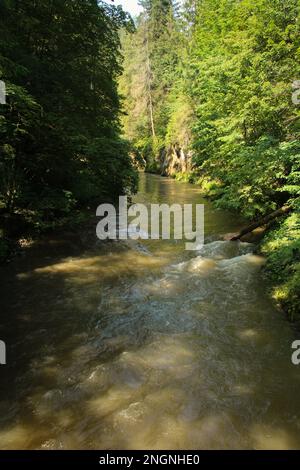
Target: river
142	344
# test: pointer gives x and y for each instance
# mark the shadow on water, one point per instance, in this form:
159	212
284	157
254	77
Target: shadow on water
141	345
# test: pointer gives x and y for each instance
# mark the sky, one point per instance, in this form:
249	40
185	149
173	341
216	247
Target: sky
128	5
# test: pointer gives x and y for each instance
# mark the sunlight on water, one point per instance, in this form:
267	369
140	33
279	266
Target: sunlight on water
141	344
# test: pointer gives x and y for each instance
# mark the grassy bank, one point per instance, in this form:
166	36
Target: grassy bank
281	246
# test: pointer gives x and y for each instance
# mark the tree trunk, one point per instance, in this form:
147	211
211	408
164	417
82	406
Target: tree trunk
264	221
149	88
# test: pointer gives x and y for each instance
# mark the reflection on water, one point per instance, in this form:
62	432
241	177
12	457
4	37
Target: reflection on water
141	344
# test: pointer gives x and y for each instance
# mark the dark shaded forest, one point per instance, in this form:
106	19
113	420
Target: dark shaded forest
60	141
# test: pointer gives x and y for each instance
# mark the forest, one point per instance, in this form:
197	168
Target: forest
211	85
206	83
60	140
128	320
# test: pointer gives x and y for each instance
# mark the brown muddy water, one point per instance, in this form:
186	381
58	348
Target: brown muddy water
142	344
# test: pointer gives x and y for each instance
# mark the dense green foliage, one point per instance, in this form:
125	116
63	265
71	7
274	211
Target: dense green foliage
60	139
245	57
221	86
282	248
151	58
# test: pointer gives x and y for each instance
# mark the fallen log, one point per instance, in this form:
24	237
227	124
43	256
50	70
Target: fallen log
262	222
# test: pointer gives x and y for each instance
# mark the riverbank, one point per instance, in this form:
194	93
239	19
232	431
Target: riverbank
20	230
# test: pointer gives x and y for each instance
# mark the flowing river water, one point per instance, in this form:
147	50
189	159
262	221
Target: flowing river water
142	344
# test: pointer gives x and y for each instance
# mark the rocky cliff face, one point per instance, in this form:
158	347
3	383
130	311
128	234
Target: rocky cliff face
174	160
